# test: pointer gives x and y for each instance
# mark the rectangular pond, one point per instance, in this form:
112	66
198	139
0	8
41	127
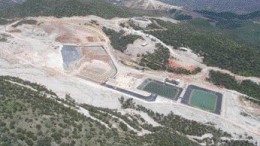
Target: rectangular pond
70	54
161	88
203	98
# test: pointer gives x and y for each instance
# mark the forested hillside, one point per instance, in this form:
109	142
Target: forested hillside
247	87
30	114
216	46
65	8
229	15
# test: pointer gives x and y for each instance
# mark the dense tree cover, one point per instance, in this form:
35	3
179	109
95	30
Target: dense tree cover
217	48
229	24
159	59
247	87
26	120
4	21
246	32
119	40
229	15
28	117
152	26
241	28
181	16
64	8
135	27
184	71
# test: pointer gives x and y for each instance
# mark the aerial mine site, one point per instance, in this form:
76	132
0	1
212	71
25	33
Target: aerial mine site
103	62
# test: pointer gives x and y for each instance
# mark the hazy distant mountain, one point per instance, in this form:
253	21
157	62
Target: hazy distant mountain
238	6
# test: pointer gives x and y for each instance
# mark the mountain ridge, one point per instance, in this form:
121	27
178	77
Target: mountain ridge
239	6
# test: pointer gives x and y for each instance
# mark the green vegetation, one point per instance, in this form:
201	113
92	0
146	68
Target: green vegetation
217	48
229	15
248	32
184	71
5	21
180	16
180	124
38	117
119	40
135	27
174	122
239	27
35	117
65	8
152	26
247	87
229	24
158	60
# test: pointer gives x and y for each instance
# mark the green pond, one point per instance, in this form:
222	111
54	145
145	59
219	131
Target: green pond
203	100
162	89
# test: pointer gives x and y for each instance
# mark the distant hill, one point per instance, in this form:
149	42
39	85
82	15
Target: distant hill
237	6
229	15
144	4
60	8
